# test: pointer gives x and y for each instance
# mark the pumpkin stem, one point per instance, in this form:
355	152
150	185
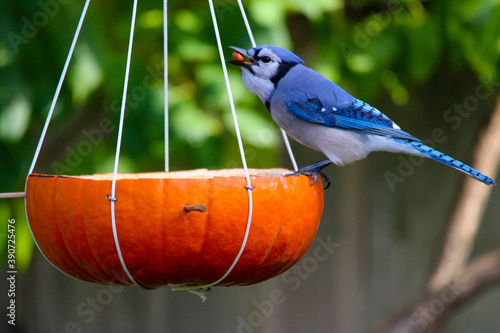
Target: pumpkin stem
198	208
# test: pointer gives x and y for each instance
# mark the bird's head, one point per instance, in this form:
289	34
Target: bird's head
263	67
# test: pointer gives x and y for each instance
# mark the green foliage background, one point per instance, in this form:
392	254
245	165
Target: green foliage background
380	51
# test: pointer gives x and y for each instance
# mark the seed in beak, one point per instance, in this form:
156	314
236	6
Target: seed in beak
238	56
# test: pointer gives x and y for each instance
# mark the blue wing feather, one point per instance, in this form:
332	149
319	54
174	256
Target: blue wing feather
356	116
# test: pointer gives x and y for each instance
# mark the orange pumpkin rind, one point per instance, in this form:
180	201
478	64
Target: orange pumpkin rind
182	229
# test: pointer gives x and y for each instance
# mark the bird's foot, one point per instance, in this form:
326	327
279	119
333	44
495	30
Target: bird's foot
313	170
314	176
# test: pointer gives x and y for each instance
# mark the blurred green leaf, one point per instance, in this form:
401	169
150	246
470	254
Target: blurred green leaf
255	129
482	50
195	50
151	19
86	75
188	21
14	119
193	124
423	52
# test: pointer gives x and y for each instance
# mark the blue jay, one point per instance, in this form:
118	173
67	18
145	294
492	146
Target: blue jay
320	115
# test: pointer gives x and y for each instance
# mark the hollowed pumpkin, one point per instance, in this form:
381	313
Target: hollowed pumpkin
163	243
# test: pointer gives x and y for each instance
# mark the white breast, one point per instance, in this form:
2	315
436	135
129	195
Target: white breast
341	147
259	86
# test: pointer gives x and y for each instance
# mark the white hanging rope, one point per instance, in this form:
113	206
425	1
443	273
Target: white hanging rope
59	86
247	25
252	40
165	82
242	153
47	121
112	197
289	149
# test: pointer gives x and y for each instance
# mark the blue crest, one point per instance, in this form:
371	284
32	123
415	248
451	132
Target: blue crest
285	55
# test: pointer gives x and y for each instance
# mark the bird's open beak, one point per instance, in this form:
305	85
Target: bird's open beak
239	59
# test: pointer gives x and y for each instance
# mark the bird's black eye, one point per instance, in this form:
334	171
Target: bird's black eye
265	59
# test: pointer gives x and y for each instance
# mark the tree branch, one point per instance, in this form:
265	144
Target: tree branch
452	283
469	208
430	313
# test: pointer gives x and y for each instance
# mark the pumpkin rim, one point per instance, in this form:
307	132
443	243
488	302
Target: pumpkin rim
202	173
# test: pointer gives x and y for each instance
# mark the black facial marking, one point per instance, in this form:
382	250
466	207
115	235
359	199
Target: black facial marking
268	105
282	70
265	58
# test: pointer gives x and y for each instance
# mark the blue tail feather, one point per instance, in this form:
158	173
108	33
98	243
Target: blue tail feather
445	159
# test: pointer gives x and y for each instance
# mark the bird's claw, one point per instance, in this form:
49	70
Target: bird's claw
314	175
326	178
